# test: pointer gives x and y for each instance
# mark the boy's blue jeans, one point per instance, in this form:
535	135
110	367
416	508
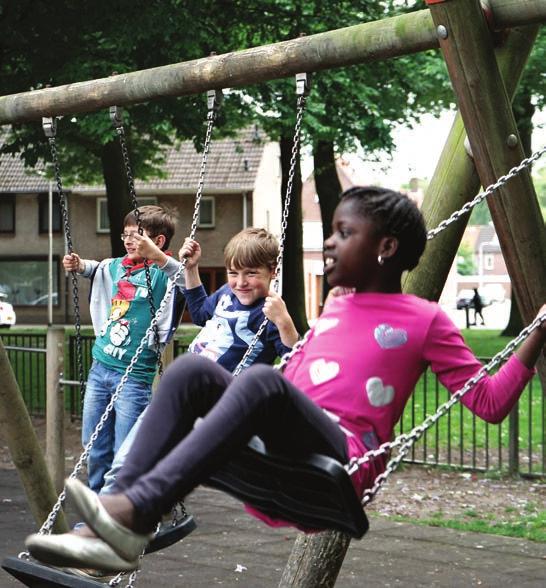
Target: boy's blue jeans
119	457
101	385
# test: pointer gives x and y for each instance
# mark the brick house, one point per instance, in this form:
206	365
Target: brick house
492	274
313	263
242	188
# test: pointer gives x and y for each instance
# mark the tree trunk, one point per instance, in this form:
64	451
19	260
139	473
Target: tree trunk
117	193
328	190
292	275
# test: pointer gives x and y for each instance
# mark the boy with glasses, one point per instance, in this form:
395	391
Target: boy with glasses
121	314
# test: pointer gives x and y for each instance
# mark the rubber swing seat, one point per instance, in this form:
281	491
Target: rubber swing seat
315	493
37	575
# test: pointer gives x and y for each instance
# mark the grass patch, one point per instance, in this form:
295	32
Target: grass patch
531	526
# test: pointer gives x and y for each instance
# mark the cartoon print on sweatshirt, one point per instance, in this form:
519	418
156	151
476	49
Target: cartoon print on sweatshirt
222	328
119	338
121	303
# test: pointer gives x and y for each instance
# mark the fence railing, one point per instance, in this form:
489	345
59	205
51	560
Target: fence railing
459	439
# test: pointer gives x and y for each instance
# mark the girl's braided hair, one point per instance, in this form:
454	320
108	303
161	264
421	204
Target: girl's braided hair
395	215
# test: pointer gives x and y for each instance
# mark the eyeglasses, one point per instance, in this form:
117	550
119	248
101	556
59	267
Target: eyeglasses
125	236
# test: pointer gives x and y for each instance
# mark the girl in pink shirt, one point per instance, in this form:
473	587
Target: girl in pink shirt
340	394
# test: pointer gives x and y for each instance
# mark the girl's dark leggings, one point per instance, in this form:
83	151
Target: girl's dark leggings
170	457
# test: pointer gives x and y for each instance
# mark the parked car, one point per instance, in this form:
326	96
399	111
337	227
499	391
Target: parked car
464	299
7	314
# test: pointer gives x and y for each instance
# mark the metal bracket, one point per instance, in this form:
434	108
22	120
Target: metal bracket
303	84
49	124
214	99
116	116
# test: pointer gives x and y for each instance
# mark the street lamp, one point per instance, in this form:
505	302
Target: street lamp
49	250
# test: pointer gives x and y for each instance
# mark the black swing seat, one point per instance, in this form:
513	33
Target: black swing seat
37	575
315	492
170	533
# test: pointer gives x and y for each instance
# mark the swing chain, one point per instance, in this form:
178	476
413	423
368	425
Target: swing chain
47	525
405	441
49	125
117	121
477	199
214	98
302	90
49	522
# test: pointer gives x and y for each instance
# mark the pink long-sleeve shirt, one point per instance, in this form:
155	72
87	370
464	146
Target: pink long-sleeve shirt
365	355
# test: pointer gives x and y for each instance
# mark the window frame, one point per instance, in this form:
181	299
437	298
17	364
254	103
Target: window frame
43	213
488	261
102	200
56	277
212	224
10	199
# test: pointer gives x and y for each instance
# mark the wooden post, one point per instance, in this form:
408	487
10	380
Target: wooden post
455	182
24	447
55	406
371	41
167	357
487	113
315	560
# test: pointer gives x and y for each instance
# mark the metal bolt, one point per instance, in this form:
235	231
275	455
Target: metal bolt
512	140
442	31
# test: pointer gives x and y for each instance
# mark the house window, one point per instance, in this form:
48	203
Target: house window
206	213
488	261
25	280
43	213
7	213
103	221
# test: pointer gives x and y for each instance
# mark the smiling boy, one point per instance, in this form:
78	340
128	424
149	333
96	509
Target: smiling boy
232	315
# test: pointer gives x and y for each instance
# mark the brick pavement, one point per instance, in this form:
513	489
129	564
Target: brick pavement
229	548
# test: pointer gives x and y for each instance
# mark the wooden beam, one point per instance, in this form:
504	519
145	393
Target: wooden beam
372	41
487	114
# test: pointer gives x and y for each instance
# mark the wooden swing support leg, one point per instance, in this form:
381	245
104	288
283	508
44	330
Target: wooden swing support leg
24	448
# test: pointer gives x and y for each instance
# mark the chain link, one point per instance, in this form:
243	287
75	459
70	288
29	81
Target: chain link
490	189
50	520
284	223
117	121
50	129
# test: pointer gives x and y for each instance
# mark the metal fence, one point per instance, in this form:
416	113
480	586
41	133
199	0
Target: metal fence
27	356
459	439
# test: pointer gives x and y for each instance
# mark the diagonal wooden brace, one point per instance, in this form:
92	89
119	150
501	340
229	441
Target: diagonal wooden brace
487	114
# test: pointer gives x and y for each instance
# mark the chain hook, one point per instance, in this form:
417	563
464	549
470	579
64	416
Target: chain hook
49	124
214	99
116	116
303	84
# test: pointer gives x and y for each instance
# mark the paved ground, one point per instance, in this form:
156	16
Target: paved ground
229	548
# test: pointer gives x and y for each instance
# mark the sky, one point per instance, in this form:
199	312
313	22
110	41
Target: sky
417	151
